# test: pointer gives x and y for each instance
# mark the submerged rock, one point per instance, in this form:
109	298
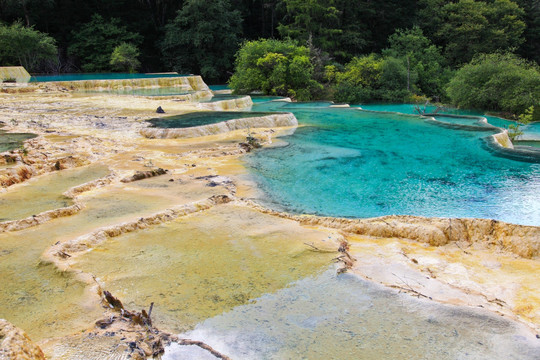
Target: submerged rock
15	344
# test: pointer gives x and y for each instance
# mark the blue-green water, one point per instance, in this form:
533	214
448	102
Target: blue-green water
219	87
532	143
531	131
100	76
346	162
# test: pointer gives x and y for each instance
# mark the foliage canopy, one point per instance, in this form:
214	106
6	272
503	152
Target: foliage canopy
94	42
25	46
203	38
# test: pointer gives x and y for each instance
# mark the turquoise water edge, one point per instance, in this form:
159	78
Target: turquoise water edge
346	162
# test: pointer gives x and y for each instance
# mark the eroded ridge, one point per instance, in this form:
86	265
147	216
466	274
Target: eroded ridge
269	121
521	240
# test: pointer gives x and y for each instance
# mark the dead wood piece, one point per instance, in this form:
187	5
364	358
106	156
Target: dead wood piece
105	323
411	290
63	254
317	249
140	175
115	303
346	258
202	345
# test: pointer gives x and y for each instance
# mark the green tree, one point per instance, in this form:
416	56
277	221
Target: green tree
94	42
20	45
274	67
372	78
124	58
500	82
531	47
472	27
316	19
203	38
424	62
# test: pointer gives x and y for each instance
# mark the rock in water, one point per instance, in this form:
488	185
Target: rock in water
15	344
160	110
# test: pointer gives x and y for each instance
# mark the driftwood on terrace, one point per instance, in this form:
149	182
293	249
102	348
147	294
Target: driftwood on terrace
149	341
346	260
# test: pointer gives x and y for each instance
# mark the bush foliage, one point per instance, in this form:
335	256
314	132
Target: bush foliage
499	82
274	67
25	46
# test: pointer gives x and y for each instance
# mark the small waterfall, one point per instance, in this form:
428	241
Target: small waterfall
232	104
503	140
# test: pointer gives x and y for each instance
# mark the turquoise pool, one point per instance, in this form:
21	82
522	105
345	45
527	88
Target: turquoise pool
531	131
101	76
350	163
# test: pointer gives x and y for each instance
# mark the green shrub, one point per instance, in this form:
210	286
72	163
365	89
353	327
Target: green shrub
20	45
124	58
274	67
497	82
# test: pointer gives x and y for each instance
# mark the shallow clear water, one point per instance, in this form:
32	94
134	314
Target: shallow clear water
346	162
527	143
410	109
344	317
100	76
531	131
200	266
202	118
12	141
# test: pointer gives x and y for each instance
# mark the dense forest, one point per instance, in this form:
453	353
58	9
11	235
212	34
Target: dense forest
348	50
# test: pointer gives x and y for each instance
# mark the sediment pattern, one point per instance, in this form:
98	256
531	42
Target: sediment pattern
57	253
269	121
34	220
189	83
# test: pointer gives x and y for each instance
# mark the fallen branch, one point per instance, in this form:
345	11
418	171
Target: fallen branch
409	288
202	345
317	249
